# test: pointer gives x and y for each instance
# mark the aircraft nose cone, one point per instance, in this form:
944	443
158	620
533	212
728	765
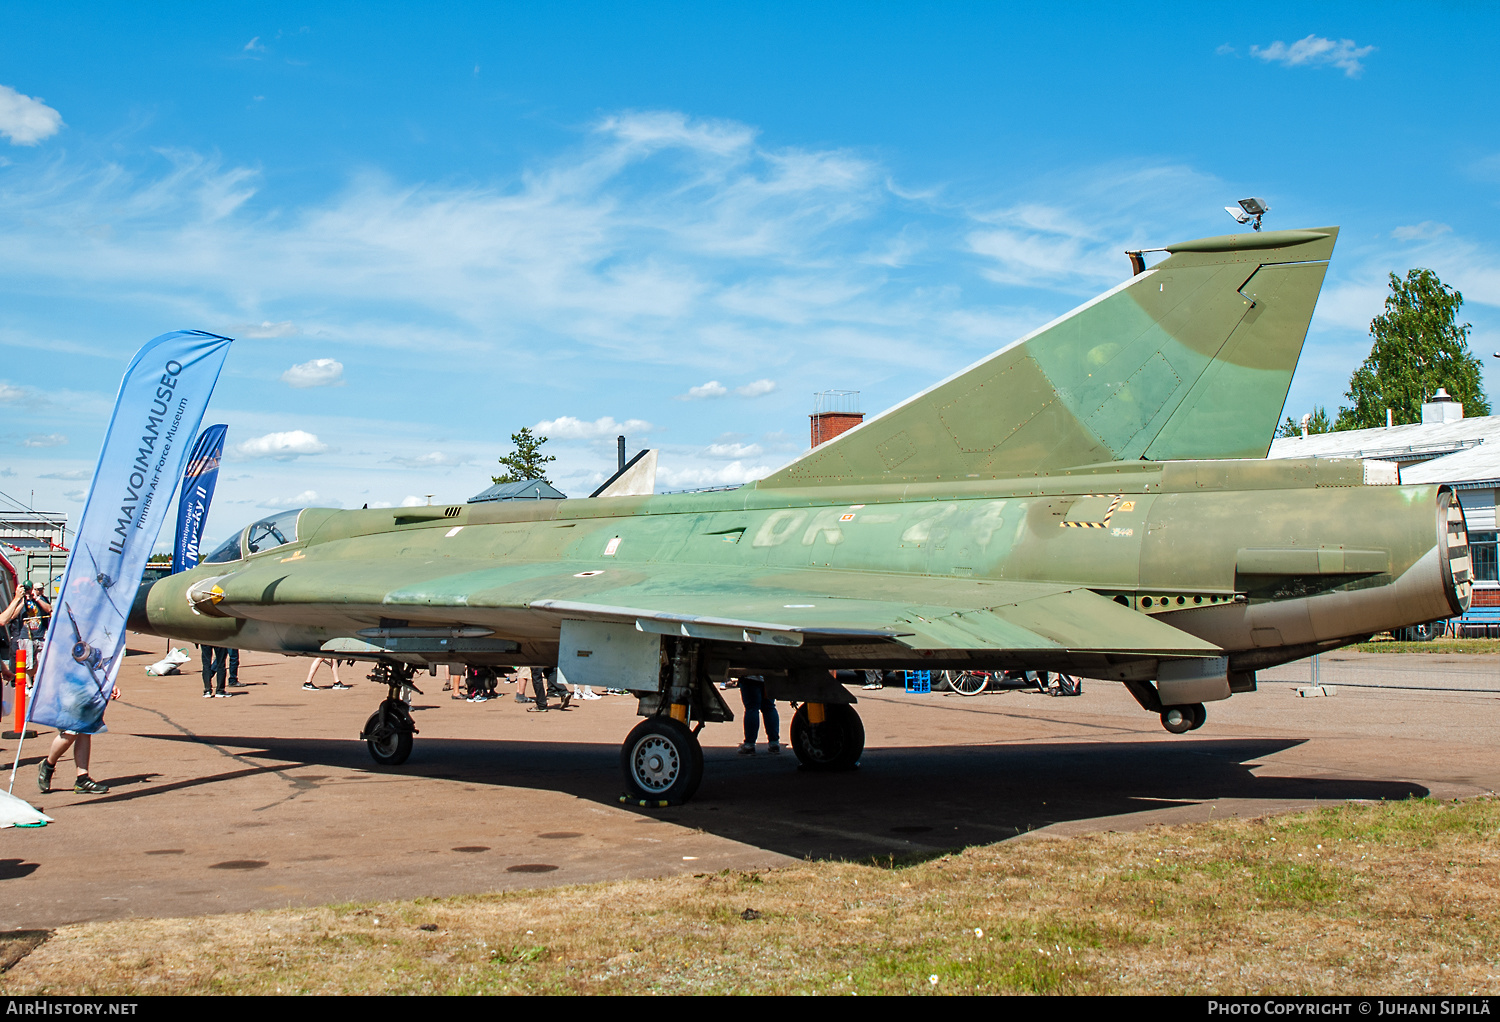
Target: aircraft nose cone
138	620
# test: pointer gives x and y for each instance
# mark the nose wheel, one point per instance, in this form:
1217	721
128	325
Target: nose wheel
1181	719
388	741
662	762
390	730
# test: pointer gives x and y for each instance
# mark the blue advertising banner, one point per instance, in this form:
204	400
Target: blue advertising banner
197	493
162	399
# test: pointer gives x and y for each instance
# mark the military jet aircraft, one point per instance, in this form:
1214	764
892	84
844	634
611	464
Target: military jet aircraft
1093	499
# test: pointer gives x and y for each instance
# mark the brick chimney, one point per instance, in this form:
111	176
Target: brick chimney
834	412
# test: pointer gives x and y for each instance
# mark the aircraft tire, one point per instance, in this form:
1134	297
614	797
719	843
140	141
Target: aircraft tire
662	762
1200	715
1178	719
835	744
389	746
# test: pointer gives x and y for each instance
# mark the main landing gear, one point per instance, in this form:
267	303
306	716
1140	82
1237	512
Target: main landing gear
389	731
663	762
1181	719
827	736
661	759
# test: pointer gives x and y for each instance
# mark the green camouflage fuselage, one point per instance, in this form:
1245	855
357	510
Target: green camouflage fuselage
1267	560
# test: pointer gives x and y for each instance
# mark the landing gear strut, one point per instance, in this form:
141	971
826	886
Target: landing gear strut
1181	719
833	741
662	762
390	730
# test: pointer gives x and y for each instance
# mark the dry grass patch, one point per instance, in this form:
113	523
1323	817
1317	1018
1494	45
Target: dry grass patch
1440	645
1387	898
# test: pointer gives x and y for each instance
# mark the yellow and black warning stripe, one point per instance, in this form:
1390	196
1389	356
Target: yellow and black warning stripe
1113	505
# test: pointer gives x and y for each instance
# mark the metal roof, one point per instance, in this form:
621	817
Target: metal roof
1465	452
526	489
1413	442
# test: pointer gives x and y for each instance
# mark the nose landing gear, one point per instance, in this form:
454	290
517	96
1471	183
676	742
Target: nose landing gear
389	731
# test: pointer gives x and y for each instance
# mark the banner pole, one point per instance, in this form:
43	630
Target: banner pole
21	719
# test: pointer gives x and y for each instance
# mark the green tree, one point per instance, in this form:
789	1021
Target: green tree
527	461
1419	347
1317	423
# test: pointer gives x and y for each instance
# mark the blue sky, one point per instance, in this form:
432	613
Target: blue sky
431	225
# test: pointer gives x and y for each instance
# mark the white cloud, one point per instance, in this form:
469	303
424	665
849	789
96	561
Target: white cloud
1026	256
436	459
320	372
379	504
657	240
1224	50
9	393
733	474
266	328
566	427
76	475
1351	304
713	388
307	498
734	450
1485	169
254	46
660	129
24	120
76	495
1315	51
45	440
413	501
757	389
6	473
281	446
618	245
1423	231
1070	236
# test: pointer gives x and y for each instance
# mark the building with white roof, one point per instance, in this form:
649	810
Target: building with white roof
1443	448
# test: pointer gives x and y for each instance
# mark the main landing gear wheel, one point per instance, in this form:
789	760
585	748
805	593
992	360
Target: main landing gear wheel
389	743
1181	719
835	744
662	762
966	683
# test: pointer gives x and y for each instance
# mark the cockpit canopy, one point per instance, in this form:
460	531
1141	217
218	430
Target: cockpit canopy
266	534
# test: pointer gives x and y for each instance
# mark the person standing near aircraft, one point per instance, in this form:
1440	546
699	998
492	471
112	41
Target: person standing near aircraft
13	609
35	618
758	705
82	746
333	665
10	632
544	683
214	662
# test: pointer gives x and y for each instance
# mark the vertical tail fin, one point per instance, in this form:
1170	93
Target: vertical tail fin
1189	359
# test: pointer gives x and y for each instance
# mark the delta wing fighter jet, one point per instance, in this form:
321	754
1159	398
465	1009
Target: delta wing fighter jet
1093	499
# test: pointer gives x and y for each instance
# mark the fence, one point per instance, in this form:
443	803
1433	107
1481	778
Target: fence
1433	672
